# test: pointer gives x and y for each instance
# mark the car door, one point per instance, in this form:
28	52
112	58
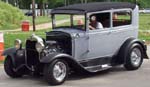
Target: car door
100	43
81	46
100	39
122	28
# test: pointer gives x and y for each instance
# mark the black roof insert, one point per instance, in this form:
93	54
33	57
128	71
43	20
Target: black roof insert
92	7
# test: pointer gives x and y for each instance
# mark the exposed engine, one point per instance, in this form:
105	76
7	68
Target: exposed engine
52	47
59	42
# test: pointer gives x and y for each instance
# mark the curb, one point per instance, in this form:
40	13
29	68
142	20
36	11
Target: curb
1	65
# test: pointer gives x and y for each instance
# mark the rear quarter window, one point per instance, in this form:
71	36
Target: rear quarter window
121	18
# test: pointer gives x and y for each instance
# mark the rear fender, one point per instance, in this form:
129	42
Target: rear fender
124	49
142	43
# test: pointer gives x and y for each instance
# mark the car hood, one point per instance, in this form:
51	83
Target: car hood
72	32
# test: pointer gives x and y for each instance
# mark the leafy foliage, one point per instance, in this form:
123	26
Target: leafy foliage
57	3
9	16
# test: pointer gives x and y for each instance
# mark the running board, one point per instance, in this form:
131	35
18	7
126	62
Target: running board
98	68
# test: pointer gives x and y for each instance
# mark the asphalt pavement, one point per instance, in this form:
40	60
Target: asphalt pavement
115	77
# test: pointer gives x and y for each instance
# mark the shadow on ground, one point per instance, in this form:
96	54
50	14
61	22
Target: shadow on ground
73	77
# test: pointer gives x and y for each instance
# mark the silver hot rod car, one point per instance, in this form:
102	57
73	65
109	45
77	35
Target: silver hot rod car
89	38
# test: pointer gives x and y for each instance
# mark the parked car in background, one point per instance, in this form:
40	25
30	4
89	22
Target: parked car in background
146	10
29	13
97	37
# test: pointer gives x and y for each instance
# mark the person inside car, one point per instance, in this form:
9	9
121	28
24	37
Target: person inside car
80	24
94	24
115	16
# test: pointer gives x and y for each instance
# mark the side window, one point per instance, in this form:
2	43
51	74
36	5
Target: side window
99	21
78	21
121	18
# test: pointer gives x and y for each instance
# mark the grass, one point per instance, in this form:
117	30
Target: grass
144	21
144	36
38	20
1	62
10	17
10	37
44	19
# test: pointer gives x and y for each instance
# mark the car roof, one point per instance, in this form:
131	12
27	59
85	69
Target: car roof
91	7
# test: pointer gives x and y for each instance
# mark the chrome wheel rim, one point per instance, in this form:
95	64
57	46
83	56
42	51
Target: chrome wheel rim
59	71
136	57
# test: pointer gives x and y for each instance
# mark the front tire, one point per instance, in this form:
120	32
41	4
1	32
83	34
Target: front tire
56	72
9	68
134	57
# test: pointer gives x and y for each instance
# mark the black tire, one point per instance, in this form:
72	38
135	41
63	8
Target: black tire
36	74
49	75
129	65
9	68
38	70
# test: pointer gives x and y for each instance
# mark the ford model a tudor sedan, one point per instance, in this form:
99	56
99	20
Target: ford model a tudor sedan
89	38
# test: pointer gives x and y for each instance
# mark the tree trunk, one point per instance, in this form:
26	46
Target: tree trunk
41	9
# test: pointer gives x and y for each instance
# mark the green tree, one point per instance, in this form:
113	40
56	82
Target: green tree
25	4
42	4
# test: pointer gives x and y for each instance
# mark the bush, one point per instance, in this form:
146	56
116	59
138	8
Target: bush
10	17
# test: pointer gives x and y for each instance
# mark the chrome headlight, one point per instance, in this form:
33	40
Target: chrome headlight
18	44
39	46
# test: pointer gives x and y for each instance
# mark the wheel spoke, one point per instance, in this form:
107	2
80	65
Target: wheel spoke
136	56
59	71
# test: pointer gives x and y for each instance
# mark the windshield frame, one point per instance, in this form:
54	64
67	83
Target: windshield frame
71	21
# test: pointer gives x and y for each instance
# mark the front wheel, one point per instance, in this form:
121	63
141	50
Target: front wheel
9	69
56	72
134	57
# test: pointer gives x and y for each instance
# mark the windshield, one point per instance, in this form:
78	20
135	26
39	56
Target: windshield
68	21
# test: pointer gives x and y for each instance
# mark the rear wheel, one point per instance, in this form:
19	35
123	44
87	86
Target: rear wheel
134	57
9	69
56	72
